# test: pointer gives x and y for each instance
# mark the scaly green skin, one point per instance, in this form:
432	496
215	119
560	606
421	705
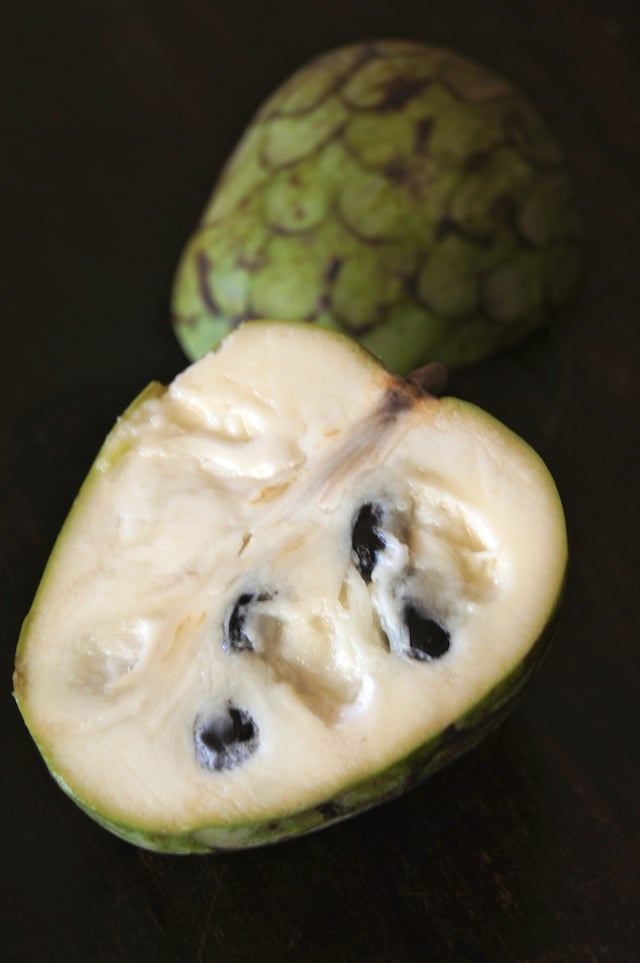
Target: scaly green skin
398	193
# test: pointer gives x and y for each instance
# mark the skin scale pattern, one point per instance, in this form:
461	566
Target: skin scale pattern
398	193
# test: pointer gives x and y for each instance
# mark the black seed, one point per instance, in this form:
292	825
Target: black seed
366	539
227	740
427	638
235	636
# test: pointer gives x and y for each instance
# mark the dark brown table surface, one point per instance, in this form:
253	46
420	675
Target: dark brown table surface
118	116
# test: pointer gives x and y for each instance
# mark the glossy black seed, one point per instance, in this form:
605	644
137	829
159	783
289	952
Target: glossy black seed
367	541
427	638
235	636
226	740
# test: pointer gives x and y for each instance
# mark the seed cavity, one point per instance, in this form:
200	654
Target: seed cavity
428	639
303	653
227	740
367	540
381	541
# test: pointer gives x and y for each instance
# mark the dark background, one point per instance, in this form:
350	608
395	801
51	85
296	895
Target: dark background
117	118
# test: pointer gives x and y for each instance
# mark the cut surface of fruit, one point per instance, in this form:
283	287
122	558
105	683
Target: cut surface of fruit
286	575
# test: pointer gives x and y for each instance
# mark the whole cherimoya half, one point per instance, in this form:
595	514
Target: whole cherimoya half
398	193
291	587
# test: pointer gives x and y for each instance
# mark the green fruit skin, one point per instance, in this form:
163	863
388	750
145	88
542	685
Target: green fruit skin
365	792
398	193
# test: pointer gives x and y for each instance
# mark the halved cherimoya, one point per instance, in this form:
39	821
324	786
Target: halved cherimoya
292	586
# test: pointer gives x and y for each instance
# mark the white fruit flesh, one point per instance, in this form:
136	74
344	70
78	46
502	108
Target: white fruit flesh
244	477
